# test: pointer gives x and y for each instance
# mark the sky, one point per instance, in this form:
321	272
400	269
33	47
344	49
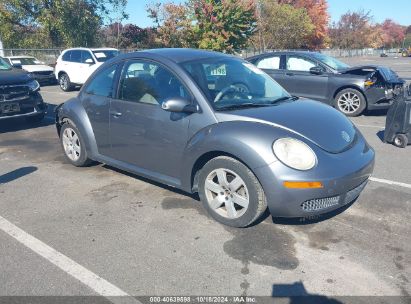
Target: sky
398	10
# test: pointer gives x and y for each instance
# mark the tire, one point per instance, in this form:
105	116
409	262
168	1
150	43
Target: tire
35	119
65	83
400	140
217	196
78	156
350	102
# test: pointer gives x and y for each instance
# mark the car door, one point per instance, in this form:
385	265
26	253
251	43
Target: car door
96	99
272	65
142	134
300	81
73	68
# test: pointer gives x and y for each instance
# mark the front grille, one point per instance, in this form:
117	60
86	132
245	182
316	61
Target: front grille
43	73
13	92
320	203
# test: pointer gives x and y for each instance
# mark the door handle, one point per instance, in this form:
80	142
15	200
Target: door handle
289	74
116	114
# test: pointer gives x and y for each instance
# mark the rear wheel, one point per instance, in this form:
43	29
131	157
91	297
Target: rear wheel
230	192
65	83
73	146
351	102
401	140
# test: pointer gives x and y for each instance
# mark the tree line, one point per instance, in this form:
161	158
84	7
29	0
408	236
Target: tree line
222	25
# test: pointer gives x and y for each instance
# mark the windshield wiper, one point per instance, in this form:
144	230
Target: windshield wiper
242	106
284	98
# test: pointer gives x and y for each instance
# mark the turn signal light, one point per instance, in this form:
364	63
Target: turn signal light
303	185
368	83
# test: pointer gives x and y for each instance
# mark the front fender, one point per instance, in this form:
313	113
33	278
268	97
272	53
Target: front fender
74	111
249	142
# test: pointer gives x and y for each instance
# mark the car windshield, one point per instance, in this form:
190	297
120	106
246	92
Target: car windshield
331	62
4	65
104	55
25	61
231	83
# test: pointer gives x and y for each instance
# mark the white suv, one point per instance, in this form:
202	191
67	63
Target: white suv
74	66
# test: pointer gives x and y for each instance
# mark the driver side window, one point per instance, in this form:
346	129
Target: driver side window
295	63
147	82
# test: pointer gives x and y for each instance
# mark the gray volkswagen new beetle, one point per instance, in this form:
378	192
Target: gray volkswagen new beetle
215	124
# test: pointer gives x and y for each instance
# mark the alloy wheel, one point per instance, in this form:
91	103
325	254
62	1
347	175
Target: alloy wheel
71	144
226	193
64	82
349	103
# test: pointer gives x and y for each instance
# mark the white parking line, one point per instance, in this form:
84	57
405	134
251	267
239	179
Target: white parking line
371	126
389	182
85	276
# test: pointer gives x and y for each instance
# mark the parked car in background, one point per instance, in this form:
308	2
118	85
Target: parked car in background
352	90
164	114
37	69
74	66
19	94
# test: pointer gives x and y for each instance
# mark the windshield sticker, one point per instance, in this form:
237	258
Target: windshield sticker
100	55
217	70
253	68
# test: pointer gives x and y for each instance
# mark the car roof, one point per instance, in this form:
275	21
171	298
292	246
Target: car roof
90	49
17	57
177	55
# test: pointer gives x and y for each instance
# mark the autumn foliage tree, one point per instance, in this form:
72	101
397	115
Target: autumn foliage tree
282	26
393	33
317	10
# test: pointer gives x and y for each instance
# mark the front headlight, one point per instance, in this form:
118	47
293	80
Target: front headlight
33	85
294	153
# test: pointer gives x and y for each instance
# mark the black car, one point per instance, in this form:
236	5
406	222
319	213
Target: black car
19	94
352	90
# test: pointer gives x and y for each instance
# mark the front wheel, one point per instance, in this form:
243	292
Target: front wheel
230	192
351	102
65	83
401	140
73	146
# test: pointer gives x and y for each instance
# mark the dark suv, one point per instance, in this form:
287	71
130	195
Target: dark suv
19	94
352	90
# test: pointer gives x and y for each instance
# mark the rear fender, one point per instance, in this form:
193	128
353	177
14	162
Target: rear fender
73	111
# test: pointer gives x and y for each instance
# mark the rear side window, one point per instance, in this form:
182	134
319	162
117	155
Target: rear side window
104	83
66	56
269	63
75	56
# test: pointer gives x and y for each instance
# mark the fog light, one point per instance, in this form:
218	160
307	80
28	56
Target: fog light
303	185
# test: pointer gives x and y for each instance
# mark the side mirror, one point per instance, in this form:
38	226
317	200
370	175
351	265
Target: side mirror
17	66
89	61
316	71
179	105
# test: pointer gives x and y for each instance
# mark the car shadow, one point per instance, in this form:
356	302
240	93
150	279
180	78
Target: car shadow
376	113
380	135
19	123
296	293
16	174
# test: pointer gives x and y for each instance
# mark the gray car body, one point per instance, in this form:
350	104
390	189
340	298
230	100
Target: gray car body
325	86
179	144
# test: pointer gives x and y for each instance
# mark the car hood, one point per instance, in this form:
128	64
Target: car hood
37	68
319	123
14	76
365	70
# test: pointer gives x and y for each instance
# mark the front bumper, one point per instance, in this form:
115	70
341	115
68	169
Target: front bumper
31	106
343	176
382	97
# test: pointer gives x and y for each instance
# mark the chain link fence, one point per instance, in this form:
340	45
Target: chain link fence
49	56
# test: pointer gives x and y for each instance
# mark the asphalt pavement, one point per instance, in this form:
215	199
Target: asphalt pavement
99	231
